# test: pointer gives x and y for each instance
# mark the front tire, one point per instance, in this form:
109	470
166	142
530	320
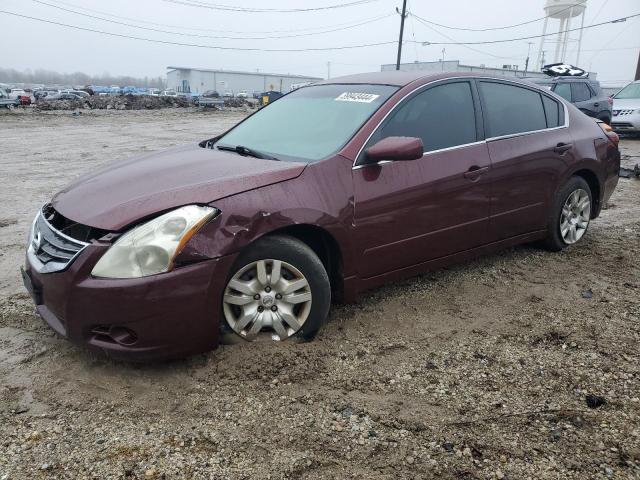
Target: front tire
277	288
570	214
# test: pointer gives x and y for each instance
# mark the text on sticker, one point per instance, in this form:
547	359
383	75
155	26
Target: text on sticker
356	97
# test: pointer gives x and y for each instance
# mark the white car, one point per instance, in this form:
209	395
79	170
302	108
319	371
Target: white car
169	93
17	92
242	94
154	92
626	109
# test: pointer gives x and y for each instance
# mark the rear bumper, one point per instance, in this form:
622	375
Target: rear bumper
160	317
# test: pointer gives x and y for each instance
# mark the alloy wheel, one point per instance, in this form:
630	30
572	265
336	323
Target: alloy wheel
575	216
269	297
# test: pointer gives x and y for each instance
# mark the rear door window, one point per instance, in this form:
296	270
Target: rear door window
564	90
443	116
509	109
580	92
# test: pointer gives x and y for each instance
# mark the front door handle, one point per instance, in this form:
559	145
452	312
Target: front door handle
596	104
474	172
561	148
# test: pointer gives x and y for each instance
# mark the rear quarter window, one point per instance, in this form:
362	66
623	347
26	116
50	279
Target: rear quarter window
553	111
510	109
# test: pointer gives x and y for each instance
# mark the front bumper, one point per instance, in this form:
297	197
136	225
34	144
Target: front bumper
159	317
629	123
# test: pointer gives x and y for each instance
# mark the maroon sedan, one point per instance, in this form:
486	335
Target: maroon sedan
333	189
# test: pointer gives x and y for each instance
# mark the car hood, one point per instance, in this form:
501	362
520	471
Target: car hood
626	103
128	191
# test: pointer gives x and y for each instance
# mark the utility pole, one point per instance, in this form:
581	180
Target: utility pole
543	59
402	17
526	63
328	70
638	69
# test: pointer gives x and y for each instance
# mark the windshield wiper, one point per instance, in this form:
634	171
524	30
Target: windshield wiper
242	150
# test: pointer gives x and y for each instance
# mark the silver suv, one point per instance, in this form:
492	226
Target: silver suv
626	109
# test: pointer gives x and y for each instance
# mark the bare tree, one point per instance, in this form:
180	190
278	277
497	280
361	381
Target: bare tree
48	77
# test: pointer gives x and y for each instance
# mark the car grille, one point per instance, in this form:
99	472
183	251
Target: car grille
52	249
622	125
617	113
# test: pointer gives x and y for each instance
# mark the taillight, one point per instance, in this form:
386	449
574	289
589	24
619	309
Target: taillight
610	99
608	131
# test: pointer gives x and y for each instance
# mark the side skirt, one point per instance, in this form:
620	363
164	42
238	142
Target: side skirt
364	284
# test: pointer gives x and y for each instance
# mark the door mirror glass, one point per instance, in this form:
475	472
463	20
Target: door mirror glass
395	148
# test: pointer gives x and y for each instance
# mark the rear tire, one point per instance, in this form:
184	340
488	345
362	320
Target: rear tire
570	214
277	287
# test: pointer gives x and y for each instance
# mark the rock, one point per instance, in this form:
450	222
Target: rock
595	401
448	446
410	460
151	473
499	474
588	293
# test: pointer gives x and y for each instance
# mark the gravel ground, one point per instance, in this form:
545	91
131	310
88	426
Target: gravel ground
523	364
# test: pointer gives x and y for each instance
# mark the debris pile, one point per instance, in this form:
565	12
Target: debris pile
235	102
122	102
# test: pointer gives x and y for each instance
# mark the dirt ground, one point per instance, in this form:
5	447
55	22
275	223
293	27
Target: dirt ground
523	364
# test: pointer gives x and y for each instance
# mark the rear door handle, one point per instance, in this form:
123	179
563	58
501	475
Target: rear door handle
596	104
474	172
562	147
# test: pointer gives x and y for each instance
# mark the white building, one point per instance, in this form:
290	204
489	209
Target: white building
455	66
199	80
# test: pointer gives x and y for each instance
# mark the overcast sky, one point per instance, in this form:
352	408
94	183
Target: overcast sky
611	50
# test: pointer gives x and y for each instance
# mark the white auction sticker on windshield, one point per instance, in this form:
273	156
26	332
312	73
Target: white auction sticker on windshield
356	97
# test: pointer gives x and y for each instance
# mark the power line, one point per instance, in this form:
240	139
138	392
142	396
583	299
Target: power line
140	20
196	35
453	40
487	42
612	40
600	10
231	8
214	47
505	27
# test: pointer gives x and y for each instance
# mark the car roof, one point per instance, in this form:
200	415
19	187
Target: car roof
401	79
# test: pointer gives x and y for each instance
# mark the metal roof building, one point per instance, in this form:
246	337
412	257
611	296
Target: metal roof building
199	80
455	66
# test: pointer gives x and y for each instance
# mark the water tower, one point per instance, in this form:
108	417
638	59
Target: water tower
570	14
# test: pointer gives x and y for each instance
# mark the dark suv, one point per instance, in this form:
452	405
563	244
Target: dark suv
585	94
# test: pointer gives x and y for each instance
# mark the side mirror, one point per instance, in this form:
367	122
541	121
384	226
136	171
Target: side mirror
395	148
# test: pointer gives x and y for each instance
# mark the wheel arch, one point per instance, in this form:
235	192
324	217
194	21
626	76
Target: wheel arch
594	184
325	245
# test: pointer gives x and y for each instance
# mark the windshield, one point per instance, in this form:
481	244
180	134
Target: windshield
630	91
310	123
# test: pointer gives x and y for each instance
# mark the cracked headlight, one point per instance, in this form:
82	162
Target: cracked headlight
152	247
